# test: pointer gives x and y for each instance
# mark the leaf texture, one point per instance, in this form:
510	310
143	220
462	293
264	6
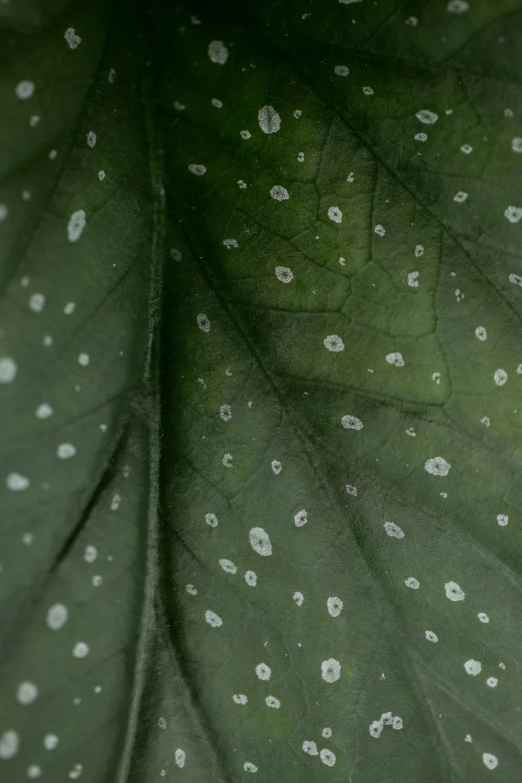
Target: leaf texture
261	367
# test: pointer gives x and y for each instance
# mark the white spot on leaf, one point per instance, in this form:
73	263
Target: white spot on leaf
333	343
284	274
330	670
36	303
72	39
90	554
301	518
263	672
460	197
228	566
197	168
24	89
80	650
454	592
386	719
513	214
76	225
203	322
335	214
458	6
8	369
326	733
490	760
351	422
9	744
393	530
269	120
473	667
327	757
50	741
437	466
251	578
213	619
500	377
395	359
260	541
16	482
334	606
279	193
26	693
65	451
225	412
57	616
217	52
427	117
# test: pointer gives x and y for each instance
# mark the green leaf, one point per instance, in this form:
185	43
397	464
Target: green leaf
260	375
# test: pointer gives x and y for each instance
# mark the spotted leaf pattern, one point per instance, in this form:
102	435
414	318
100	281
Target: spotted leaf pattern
260	370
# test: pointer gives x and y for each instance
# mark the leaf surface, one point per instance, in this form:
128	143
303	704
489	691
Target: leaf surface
289	532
